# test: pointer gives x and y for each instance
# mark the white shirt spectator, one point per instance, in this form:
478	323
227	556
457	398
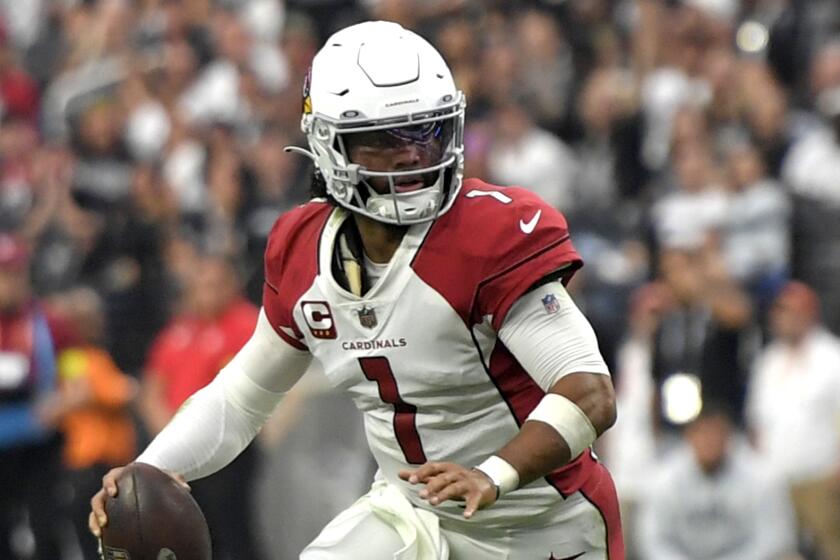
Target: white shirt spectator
663	93
270	66
147	130
793	406
183	169
540	162
264	19
683	219
738	513
726	10
214	95
813	166
24	20
757	230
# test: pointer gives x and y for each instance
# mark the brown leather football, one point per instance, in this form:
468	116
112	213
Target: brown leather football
153	518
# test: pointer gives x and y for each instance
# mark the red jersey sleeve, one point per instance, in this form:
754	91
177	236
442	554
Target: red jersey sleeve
492	246
291	266
538	246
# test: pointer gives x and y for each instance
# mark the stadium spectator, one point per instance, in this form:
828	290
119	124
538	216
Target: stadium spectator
123	259
91	407
214	323
19	94
812	162
755	237
713	499
273	184
609	170
546	70
30	447
694	210
766	114
525	154
703	333
809	169
671	45
18	173
794	412
215	94
456	46
102	175
632	447
605	205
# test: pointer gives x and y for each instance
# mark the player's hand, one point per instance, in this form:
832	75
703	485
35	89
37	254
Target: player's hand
449	481
97	518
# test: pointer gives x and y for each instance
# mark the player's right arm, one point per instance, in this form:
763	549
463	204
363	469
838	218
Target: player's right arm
219	421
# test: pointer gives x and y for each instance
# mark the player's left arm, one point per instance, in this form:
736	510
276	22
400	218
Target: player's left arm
556	345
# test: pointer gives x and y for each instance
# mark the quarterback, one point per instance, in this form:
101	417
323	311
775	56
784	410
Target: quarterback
438	303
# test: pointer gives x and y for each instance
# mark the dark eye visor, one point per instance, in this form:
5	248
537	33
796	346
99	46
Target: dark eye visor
434	133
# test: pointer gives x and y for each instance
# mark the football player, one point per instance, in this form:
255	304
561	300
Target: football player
439	305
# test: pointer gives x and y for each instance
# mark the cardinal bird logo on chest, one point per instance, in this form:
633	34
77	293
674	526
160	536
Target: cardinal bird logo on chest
367	317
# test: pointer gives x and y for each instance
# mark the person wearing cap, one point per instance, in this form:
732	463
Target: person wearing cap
793	412
30	448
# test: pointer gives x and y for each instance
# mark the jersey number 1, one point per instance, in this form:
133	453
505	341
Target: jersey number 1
379	371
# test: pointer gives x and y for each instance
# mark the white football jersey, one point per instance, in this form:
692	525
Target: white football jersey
419	352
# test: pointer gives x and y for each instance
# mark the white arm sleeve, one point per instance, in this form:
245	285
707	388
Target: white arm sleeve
551	341
220	420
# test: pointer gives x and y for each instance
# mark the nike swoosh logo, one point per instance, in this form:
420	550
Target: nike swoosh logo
528	227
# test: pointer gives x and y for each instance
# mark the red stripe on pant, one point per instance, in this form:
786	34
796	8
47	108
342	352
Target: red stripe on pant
599	490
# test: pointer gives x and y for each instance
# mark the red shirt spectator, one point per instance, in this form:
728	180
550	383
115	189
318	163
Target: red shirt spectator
191	350
18	91
196	344
20	94
186	356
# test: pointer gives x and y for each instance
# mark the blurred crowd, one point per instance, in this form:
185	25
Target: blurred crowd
694	146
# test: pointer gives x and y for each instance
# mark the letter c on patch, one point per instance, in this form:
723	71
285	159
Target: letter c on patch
318	318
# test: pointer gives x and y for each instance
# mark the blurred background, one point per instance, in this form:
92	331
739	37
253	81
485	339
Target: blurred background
694	146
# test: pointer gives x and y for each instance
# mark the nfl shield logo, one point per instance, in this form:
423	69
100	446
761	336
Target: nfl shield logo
367	317
550	303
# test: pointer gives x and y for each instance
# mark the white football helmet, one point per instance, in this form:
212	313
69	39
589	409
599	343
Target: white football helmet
379	87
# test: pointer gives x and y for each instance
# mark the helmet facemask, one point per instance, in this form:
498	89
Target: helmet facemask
415	162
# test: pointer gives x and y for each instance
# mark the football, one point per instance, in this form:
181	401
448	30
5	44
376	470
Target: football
153	518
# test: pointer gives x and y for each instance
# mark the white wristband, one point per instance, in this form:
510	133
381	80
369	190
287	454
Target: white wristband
503	475
568	419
